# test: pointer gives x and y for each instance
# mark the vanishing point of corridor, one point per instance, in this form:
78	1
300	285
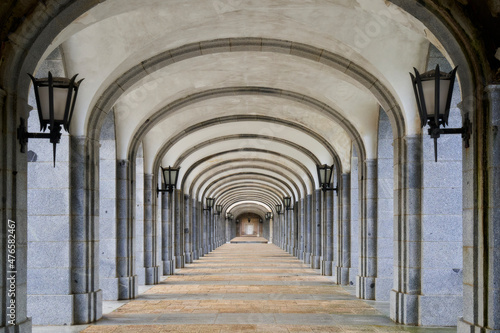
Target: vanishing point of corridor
249	286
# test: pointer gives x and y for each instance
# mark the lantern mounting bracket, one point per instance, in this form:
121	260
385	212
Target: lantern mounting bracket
465	131
23	135
326	187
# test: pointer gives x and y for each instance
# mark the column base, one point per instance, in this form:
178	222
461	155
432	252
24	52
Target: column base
466	327
179	261
88	307
316	262
327	267
168	267
201	252
365	287
128	287
307	258
188	257
195	255
300	255
24	327
152	275
404	308
342	275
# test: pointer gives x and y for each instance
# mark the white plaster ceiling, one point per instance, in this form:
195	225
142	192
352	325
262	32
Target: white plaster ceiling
117	35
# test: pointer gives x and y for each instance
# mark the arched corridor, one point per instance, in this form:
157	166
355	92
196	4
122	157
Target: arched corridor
203	126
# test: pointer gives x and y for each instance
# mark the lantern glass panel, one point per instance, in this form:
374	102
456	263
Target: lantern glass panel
322	175
173	176
429	90
60	96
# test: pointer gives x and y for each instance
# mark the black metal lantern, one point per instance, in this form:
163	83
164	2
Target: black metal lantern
269	215
237	221
218	209
210	203
287	201
325	174
170	176
278	209
55	100
433	91
229	216
260	221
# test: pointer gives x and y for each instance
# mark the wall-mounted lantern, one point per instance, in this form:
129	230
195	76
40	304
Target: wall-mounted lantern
170	176
287	201
209	204
260	221
278	209
237	221
218	209
433	91
269	215
55	101
325	173
229	216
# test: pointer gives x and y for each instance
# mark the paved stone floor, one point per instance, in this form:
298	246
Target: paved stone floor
249	287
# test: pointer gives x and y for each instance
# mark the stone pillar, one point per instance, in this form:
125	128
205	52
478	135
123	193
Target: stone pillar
201	228
167	239
327	265
365	287
344	233
271	230
407	256
127	280
87	301
355	218
152	272
286	218
13	170
295	222
188	246
300	231
385	208
291	229
137	197
308	229
108	280
316	259
481	236
206	246
49	209
178	230
211	238
282	230
493	228
194	229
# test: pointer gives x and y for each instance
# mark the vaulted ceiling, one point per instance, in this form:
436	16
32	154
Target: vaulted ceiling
246	97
